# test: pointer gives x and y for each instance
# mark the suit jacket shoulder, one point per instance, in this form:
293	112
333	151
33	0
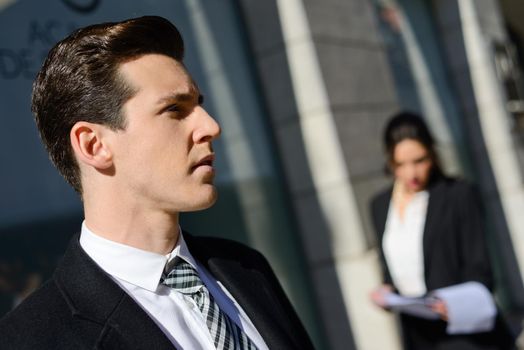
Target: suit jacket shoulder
379	207
81	307
34	324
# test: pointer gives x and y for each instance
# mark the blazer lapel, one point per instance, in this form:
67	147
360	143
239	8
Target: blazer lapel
435	203
93	296
129	327
251	290
381	212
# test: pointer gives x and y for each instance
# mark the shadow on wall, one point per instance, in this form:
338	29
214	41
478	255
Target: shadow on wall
331	328
29	253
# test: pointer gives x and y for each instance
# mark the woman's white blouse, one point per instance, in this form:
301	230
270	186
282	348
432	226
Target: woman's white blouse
402	245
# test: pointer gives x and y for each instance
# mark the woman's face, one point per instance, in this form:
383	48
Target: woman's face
412	165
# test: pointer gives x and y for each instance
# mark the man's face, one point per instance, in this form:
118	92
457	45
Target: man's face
164	158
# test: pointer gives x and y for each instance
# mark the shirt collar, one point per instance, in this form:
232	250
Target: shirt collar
136	266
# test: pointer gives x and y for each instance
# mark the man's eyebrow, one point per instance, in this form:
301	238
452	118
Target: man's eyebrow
180	97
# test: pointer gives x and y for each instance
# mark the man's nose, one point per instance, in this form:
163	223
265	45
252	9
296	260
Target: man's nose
207	128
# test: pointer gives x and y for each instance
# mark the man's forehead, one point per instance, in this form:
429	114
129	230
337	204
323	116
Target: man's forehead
181	95
159	70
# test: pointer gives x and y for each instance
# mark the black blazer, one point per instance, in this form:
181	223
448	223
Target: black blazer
81	307
454	249
454	245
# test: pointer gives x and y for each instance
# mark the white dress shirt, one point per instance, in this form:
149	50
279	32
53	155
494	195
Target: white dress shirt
138	272
403	248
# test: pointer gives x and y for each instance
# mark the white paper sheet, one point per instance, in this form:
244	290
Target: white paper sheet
418	307
471	308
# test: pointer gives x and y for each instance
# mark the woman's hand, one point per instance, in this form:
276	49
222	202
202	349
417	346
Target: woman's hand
378	296
439	306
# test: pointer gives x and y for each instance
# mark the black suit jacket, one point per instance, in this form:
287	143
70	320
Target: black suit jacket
454	245
454	249
81	307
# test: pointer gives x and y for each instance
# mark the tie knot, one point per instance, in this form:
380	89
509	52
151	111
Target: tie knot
183	278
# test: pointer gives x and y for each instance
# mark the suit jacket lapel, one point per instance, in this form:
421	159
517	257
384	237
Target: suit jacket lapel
93	296
250	289
381	212
435	203
129	327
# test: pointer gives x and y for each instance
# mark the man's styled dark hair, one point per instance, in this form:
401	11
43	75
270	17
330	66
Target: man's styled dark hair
80	81
410	126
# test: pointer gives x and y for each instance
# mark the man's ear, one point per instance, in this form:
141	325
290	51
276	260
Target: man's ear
89	145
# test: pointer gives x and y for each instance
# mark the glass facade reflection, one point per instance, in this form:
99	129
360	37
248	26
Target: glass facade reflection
39	212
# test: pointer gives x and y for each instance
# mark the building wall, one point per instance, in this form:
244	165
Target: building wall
499	181
356	96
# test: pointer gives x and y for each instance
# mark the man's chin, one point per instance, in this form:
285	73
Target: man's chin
204	203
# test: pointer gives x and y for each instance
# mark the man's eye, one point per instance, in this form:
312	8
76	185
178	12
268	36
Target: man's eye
173	108
177	111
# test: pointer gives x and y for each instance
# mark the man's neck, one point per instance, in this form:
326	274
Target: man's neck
137	227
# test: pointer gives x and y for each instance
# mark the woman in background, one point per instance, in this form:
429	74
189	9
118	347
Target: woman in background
430	234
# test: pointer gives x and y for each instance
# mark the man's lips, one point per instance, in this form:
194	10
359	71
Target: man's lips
205	161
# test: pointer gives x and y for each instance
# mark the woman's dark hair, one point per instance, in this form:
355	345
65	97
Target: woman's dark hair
80	81
410	126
